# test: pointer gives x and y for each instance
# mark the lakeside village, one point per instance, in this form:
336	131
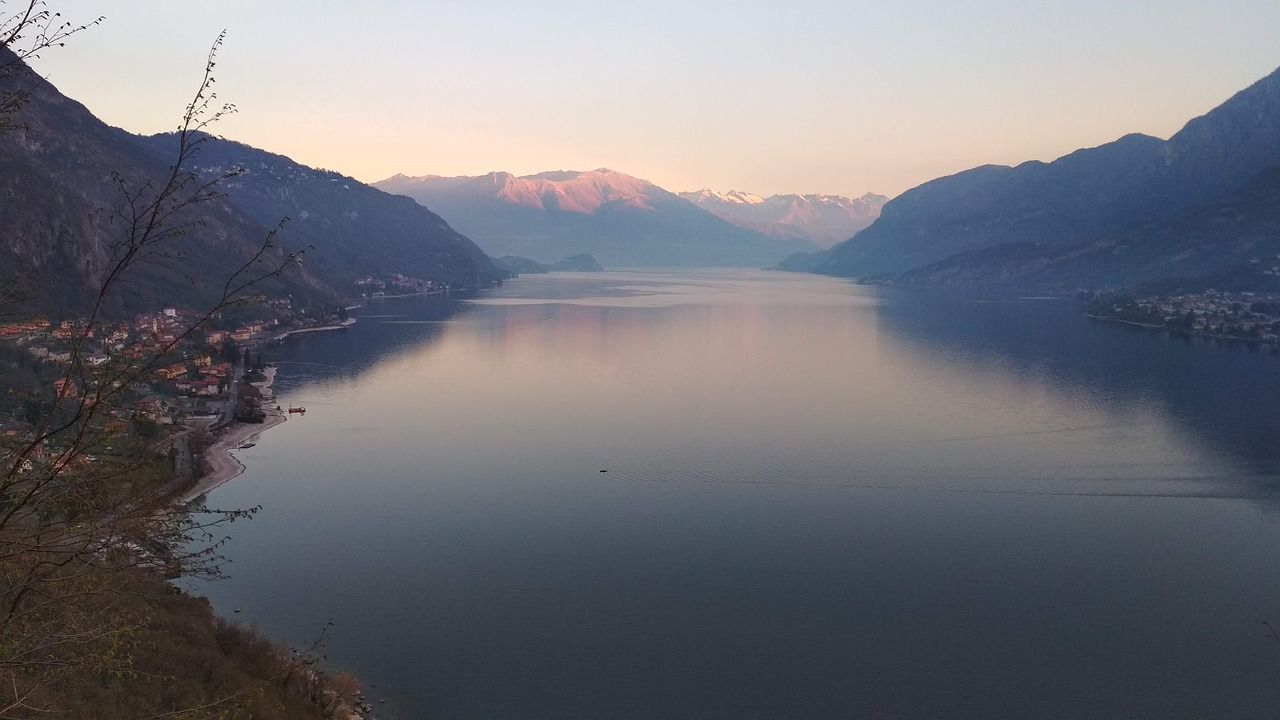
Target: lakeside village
141	411
175	375
1240	317
195	379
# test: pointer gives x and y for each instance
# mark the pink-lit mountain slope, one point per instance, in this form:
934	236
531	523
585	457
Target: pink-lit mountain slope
619	219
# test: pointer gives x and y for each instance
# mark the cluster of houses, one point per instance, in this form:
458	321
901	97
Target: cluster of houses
30	328
1251	317
198	377
169	368
187	371
397	284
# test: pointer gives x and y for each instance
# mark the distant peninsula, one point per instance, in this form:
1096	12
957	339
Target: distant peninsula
516	265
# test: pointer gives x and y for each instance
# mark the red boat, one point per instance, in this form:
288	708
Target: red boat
297	409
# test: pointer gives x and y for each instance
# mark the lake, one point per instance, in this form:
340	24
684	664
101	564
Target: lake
758	495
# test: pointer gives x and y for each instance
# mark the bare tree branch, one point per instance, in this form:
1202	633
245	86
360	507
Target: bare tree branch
67	518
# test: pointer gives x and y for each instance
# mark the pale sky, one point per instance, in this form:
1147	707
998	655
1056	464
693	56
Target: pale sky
838	97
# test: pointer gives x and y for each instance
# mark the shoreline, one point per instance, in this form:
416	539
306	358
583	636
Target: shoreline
337	326
223	466
405	295
1191	334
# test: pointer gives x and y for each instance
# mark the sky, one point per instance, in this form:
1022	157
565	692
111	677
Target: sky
836	97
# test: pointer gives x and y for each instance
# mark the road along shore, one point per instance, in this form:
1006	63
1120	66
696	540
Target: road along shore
222	465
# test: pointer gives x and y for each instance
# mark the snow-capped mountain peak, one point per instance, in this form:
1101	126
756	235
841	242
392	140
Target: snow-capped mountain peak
823	219
735	197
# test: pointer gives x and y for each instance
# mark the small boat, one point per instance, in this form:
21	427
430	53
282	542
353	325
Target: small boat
297	409
246	446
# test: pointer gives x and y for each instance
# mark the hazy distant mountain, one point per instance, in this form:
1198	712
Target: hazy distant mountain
524	266
352	230
619	219
822	219
1085	197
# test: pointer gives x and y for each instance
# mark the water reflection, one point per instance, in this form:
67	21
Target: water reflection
912	394
1226	397
387	328
820	501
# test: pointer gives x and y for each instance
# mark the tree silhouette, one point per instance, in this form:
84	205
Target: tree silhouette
84	498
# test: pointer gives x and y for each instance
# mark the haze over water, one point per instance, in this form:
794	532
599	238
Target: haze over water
821	500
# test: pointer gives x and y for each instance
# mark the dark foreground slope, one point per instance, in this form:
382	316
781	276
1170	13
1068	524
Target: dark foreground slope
163	653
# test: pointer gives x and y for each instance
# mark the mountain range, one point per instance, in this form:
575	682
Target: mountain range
824	220
619	219
1197	209
64	179
1136	210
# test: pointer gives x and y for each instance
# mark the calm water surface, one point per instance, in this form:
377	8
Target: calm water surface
821	501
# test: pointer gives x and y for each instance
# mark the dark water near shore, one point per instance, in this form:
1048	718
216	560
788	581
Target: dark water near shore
821	501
